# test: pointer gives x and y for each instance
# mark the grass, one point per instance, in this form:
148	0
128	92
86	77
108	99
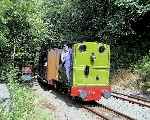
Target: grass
23	103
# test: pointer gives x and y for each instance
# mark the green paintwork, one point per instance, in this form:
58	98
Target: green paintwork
100	67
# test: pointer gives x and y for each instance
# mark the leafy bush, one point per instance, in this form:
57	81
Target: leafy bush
143	67
22	105
22	30
23	101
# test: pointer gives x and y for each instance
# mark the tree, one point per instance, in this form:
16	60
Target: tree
23	29
77	17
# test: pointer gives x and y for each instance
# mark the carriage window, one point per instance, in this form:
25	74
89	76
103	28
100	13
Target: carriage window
82	48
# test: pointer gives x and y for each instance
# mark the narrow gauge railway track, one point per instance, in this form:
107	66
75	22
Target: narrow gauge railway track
132	99
140	98
106	113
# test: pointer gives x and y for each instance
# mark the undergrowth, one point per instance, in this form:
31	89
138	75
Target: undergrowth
143	69
22	102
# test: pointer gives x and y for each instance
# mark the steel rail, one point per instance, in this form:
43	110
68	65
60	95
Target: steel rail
139	98
110	109
119	113
93	111
139	101
134	97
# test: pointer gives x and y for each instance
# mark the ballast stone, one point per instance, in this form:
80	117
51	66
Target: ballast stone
4	97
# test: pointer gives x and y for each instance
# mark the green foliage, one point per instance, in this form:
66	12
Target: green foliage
22	105
143	67
135	5
22	29
4	71
71	18
23	102
25	25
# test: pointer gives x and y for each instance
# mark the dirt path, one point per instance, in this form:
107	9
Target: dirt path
58	107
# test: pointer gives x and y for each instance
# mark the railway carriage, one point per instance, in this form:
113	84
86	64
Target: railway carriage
89	73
